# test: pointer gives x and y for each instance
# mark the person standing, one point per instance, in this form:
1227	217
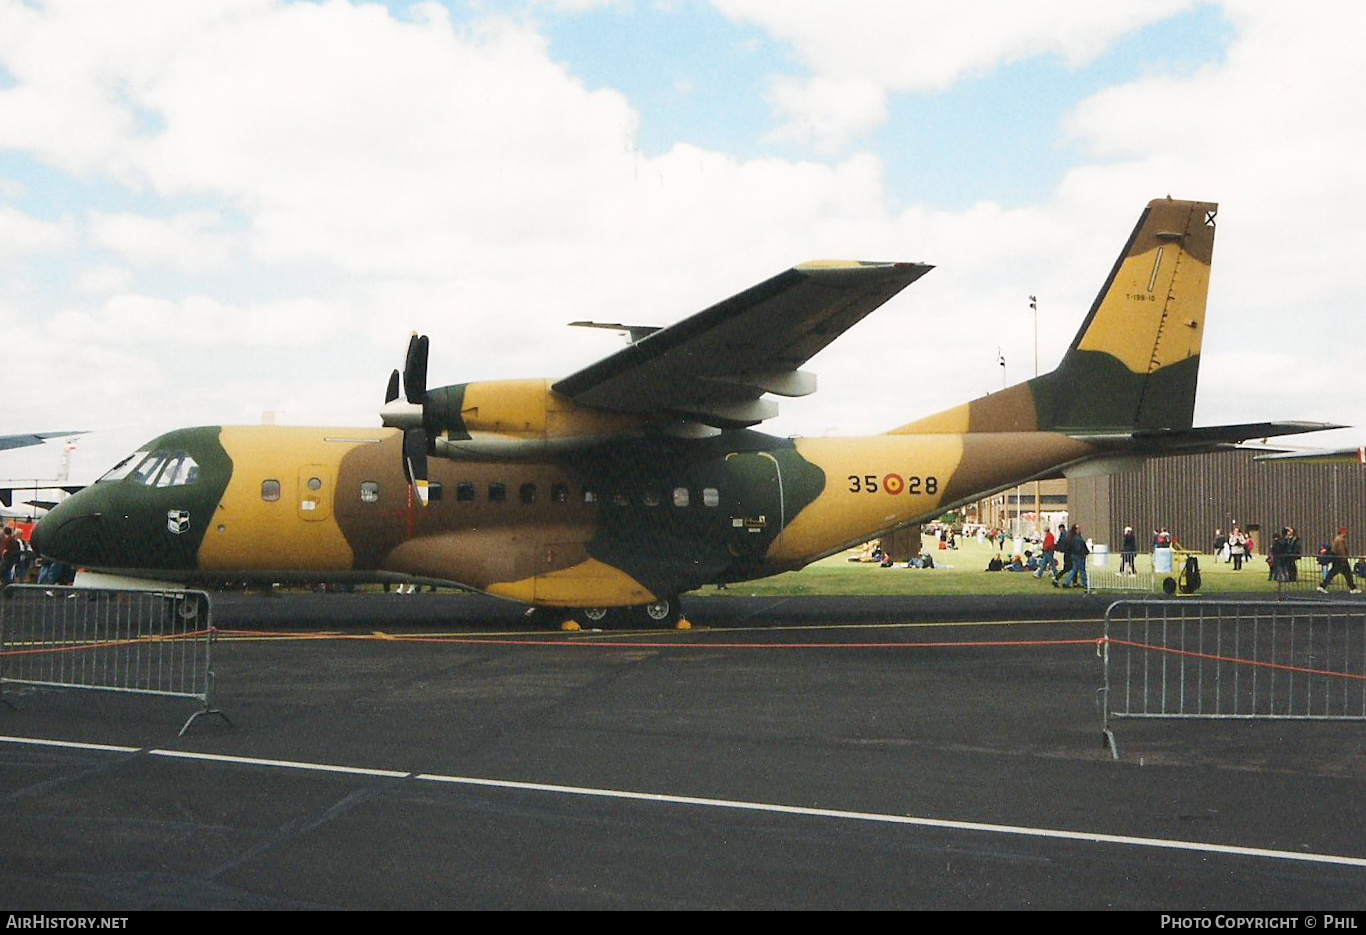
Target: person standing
1078	550
1276	556
9	555
1050	561
25	559
1237	547
1061	548
1341	564
1128	552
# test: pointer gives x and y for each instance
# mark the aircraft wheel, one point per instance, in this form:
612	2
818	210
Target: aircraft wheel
663	612
595	614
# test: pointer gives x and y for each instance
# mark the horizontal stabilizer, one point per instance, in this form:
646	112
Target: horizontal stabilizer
1204	437
1319	456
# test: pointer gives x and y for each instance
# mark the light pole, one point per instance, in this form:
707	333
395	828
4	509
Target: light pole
1038	499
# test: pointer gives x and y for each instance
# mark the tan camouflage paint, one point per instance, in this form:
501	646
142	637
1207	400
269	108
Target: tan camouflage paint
249	533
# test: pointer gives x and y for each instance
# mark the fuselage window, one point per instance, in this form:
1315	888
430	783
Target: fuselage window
559	493
620	499
315	483
270	490
680	496
124	467
498	492
650	498
464	491
590	496
435	492
711	496
369	492
527	493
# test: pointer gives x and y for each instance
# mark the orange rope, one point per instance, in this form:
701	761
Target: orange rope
1234	659
107	644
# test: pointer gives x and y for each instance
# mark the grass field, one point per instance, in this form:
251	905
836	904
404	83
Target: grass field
837	575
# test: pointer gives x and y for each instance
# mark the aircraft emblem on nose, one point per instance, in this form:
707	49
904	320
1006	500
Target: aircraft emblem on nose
177	521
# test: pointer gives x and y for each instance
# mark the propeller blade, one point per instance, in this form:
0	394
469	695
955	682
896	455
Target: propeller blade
391	393
415	462
415	369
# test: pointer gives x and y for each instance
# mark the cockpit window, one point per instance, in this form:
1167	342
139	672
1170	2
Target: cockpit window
146	472
157	468
124	467
180	471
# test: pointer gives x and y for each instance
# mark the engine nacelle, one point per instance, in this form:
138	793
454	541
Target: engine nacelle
469	417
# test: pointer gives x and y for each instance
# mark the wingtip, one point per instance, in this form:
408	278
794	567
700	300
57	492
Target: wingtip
816	265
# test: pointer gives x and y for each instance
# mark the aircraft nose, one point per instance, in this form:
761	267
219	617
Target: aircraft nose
40	535
56	533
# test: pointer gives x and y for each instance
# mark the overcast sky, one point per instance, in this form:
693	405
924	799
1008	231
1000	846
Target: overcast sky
217	208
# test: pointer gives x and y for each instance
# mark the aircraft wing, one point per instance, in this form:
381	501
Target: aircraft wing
714	366
8	442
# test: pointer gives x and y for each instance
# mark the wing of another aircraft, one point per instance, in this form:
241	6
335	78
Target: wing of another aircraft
40	468
1320	456
8	442
714	366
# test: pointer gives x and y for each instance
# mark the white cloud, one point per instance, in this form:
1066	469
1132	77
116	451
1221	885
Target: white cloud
919	45
104	278
377	175
21	233
1274	133
859	53
826	111
192	242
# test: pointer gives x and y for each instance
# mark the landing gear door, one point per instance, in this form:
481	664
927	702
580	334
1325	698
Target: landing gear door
315	493
754	501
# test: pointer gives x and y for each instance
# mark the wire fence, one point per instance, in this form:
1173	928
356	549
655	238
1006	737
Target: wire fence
1210	659
139	642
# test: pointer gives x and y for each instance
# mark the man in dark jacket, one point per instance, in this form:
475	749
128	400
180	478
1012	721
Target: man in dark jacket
1341	564
1061	548
1077	549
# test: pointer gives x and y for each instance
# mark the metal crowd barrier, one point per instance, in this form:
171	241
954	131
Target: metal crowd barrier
1283	660
1304	574
1106	577
1145	578
140	642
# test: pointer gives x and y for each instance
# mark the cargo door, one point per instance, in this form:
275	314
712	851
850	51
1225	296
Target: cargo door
754	499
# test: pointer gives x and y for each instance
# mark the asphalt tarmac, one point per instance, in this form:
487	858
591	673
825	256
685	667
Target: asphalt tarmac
804	753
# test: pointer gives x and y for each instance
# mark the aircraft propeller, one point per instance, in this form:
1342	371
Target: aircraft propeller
411	414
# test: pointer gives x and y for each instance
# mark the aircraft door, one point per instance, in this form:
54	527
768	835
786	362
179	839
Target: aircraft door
754	499
315	492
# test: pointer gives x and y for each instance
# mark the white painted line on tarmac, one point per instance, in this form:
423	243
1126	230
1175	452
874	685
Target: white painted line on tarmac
1088	837
1019	830
282	764
71	744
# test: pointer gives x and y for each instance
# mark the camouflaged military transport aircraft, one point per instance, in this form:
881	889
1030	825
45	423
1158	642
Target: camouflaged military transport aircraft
617	488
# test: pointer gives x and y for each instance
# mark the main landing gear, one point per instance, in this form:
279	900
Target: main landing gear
665	612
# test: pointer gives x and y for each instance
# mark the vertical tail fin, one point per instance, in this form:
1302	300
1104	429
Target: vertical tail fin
1135	360
1134	363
